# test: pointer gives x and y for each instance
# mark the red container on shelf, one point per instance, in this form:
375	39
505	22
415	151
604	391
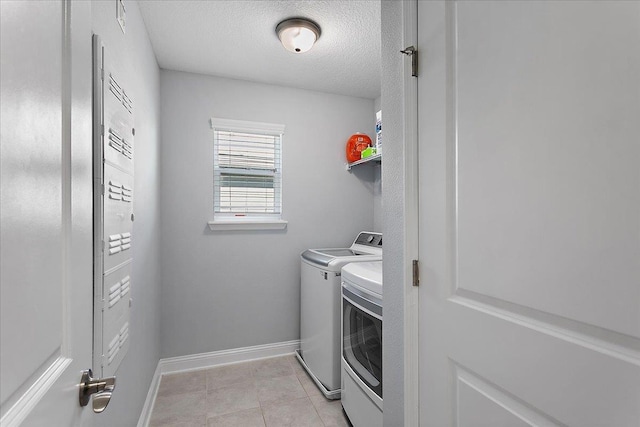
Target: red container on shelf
356	143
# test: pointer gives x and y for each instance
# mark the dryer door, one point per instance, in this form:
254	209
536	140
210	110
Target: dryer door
362	339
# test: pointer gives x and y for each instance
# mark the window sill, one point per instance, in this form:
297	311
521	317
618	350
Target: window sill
268	224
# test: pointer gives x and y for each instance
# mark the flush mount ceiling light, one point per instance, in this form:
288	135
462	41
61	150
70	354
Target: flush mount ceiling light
298	34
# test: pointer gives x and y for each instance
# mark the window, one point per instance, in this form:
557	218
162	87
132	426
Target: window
247	174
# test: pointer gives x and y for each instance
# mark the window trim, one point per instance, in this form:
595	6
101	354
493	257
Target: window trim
222	221
246	126
247	224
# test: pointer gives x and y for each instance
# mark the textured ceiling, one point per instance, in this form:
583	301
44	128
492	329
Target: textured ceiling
236	39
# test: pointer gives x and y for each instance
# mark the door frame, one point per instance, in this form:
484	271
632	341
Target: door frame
411	198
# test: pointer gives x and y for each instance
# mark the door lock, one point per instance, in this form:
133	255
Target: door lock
101	387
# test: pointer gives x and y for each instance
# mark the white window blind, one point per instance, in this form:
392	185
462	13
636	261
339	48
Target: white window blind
247	176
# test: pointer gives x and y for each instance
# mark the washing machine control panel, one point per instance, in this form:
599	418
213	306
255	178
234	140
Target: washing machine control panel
369	239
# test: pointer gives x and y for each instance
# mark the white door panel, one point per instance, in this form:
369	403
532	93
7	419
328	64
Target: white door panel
553	369
529	213
31	194
547	149
475	397
45	339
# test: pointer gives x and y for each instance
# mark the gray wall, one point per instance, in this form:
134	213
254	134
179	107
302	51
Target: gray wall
142	73
393	214
231	289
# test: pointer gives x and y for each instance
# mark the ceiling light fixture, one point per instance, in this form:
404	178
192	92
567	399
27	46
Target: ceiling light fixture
298	34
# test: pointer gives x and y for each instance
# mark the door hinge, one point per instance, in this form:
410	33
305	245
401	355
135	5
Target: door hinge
416	273
413	53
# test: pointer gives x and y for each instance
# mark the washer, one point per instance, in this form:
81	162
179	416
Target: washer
362	343
320	314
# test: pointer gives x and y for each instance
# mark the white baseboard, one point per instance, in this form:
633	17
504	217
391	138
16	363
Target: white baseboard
208	360
223	357
147	409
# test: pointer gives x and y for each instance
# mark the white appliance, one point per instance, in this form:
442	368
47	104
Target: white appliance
362	343
320	315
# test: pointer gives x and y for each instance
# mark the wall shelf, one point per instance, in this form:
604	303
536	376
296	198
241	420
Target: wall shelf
376	158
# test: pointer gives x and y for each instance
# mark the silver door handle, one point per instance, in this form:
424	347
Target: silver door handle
102	399
101	387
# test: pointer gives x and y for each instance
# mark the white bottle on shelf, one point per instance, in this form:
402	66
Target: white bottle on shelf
379	132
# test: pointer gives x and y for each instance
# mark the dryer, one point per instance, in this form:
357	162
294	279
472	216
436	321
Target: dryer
362	343
320	313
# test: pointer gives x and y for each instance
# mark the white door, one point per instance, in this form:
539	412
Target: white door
46	211
529	141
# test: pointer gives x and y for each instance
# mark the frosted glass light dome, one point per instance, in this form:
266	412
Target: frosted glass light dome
297	35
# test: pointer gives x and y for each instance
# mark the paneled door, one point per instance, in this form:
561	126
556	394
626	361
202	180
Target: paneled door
46	211
529	148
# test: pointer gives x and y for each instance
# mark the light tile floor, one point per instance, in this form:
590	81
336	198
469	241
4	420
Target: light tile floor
274	392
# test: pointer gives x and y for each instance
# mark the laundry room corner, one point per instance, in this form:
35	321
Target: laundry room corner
192	213
251	279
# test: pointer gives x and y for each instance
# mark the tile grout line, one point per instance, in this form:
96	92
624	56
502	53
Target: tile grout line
307	393
264	420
